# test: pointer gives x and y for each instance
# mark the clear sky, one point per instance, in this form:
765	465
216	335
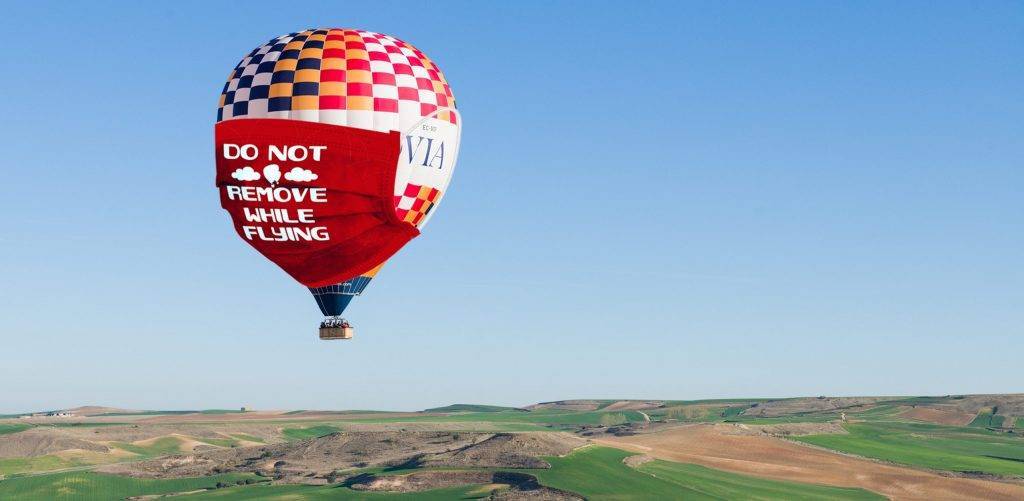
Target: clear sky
669	200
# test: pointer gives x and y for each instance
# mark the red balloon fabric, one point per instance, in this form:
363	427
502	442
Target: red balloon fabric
316	199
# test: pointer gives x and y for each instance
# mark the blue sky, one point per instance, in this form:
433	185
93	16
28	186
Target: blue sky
676	200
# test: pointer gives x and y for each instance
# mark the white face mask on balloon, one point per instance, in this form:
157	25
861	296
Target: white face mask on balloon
430	149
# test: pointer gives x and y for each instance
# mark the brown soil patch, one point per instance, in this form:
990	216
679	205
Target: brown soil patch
520	485
96	410
40	442
314	459
133	433
786	429
256	416
422	481
637	460
971	404
763	456
938	416
566	405
634	405
507	450
776	408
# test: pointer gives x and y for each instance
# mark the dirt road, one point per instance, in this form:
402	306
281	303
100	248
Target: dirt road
715	446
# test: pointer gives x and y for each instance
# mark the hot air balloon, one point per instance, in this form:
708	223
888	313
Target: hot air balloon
334	148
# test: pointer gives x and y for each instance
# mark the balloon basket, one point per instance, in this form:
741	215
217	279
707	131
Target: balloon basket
331	333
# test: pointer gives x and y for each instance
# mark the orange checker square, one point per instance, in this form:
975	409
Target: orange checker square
280	90
307	76
285	64
364	103
358	76
424	192
311	53
333	88
306	102
356	54
332	63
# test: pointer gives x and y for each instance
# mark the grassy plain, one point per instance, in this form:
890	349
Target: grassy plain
930	445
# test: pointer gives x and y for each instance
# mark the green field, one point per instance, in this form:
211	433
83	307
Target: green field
599	473
724	485
296	492
13	466
308	432
160	447
96	486
930	446
983	420
88	486
12	428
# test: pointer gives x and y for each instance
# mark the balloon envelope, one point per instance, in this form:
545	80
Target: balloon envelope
334	147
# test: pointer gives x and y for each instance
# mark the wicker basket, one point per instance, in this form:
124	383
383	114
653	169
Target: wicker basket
336	332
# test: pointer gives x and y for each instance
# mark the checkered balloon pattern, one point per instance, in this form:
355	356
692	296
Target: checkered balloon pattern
346	77
336	76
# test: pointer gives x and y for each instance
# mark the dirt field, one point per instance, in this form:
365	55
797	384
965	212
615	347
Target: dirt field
718	446
523	486
314	459
508	450
776	408
1012	404
938	416
566	405
784	429
634	405
255	416
41	442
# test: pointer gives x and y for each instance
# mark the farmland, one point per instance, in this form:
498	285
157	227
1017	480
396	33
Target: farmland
87	485
895	447
599	472
930	446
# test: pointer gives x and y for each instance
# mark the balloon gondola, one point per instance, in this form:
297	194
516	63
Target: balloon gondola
333	149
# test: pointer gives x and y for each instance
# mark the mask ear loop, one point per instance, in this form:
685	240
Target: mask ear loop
455	158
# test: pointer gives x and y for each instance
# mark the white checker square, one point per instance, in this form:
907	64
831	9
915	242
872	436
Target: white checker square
258	107
385	91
